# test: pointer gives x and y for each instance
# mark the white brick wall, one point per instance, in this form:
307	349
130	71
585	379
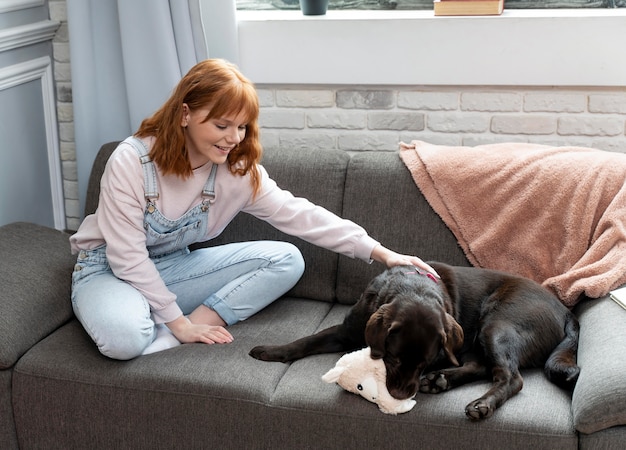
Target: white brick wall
65	113
377	118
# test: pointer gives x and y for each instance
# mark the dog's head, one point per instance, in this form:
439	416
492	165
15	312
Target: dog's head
410	330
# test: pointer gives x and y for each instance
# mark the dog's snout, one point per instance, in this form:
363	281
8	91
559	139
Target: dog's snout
403	392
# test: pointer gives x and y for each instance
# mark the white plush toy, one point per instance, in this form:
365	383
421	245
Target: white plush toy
358	373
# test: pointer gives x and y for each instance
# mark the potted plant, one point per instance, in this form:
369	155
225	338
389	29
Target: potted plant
313	7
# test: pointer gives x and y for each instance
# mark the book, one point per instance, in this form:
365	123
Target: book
468	7
619	296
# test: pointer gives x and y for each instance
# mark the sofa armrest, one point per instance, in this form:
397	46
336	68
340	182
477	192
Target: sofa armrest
35	282
599	399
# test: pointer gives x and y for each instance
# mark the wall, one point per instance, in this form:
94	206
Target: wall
373	118
65	113
30	174
376	117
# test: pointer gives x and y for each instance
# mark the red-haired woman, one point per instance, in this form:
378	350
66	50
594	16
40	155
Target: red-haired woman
180	179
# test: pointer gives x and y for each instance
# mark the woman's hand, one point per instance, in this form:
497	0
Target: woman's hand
391	259
188	332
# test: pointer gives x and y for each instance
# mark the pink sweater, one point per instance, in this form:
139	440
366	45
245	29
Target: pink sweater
118	221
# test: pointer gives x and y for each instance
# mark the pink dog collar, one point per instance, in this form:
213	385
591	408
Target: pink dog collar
426	274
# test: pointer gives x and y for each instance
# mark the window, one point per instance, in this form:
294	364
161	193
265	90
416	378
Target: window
258	5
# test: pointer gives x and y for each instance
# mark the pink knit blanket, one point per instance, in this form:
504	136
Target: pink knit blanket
553	214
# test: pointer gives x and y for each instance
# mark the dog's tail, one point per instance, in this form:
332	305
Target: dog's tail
561	367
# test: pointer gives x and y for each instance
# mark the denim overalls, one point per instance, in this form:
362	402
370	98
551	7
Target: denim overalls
236	280
164	236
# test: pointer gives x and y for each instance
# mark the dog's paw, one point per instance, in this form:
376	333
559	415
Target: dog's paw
434	383
273	353
479	409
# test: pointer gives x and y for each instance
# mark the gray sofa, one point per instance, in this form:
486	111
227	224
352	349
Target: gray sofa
58	391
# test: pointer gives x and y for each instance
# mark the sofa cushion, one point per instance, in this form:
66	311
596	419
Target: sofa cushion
338	419
599	399
35	280
66	392
381	196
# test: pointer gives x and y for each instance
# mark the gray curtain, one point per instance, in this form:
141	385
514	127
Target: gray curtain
127	55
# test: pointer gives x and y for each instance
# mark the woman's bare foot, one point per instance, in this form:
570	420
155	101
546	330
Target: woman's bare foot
204	314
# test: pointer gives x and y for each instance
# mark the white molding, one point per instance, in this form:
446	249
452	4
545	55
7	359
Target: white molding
581	47
41	69
31	33
16	5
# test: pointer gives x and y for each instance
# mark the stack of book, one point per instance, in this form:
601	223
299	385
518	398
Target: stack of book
468	7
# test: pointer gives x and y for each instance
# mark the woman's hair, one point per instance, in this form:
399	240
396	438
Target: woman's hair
219	85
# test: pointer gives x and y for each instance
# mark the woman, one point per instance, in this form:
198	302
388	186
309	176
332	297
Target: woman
183	176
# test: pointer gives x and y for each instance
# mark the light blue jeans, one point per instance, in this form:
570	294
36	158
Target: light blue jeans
236	280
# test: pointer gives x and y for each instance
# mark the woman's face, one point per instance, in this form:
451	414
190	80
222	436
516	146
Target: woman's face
211	140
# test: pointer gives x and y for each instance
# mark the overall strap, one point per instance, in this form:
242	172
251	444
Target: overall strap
208	191
151	191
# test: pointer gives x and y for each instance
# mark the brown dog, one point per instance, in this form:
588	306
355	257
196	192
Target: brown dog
479	323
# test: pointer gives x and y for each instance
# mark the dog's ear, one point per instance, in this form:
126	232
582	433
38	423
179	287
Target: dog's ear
376	331
452	338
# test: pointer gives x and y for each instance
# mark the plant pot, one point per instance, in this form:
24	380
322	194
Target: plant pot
313	7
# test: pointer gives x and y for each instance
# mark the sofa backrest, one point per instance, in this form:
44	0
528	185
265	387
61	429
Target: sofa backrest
381	196
97	169
374	189
318	175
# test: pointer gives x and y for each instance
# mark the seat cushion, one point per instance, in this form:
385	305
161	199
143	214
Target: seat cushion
191	396
196	396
